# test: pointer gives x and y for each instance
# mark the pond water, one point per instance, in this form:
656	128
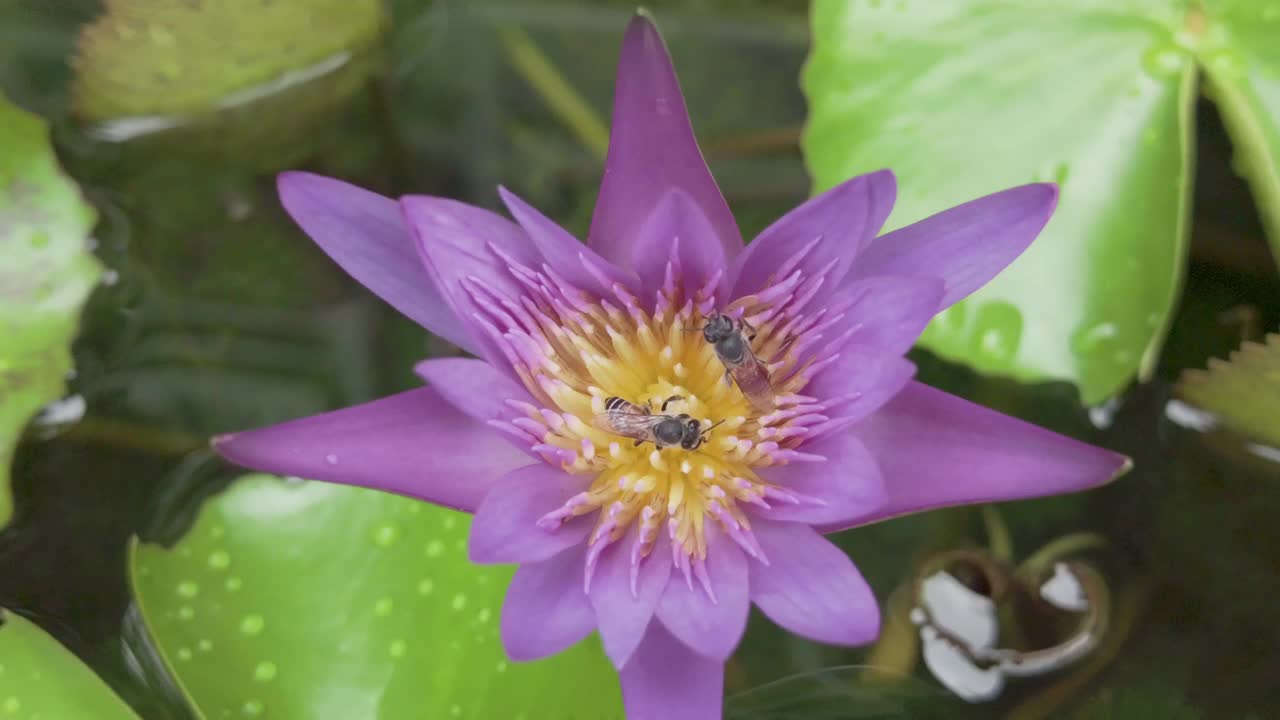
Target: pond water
215	313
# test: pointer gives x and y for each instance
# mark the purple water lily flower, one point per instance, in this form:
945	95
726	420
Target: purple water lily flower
663	549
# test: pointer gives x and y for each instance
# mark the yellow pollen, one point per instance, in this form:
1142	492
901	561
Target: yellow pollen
647	360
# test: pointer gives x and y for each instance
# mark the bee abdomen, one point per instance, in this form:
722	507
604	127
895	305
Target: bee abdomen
616	403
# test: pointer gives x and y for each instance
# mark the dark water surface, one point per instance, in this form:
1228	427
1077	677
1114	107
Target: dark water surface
218	314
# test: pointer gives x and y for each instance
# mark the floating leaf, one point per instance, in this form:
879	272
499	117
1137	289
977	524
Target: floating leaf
1243	393
41	679
965	97
45	276
1241	56
297	599
248	79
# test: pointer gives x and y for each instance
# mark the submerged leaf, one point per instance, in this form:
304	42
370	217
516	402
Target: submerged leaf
243	81
169	57
966	97
40	678
298	599
45	276
1243	393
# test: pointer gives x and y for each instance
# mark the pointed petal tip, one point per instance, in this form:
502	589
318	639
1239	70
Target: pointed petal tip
1045	192
643	16
885	175
291	178
1126	464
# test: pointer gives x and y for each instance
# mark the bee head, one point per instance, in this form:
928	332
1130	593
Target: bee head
718	328
692	434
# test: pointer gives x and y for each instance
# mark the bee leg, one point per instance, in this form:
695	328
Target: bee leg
728	378
638	443
669	400
750	331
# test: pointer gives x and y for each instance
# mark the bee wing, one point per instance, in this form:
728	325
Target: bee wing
753	381
632	425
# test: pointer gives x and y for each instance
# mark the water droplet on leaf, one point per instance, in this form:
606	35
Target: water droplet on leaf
386	534
252	625
265	671
1164	61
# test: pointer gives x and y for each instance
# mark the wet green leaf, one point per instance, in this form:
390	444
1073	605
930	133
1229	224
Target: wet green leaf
965	97
1241	56
45	276
1243	393
292	599
41	679
238	81
165	57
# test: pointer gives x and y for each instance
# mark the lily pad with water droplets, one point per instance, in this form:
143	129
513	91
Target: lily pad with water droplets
966	97
242	82
1242	393
39	678
46	272
1241	57
292	599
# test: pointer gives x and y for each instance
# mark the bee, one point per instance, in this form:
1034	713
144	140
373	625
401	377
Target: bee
732	341
641	424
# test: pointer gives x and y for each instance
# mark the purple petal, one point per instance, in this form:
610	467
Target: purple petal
363	232
837	225
545	610
463	247
506	530
712	628
623	617
570	259
676	232
414	444
847	483
965	246
474	387
811	588
936	450
890	312
858	382
667	681
652	150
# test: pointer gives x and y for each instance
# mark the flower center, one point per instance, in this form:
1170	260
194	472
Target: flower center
584	357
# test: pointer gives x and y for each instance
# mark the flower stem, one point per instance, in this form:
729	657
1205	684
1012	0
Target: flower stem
999	540
561	97
1039	561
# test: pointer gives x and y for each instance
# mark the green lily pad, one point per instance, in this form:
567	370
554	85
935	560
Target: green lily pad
1241	56
46	274
241	82
966	97
144	57
293	599
40	679
1243	393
